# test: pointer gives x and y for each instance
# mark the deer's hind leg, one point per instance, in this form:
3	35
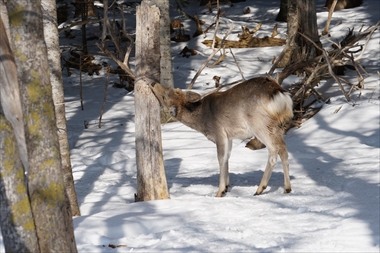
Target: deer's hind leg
285	165
272	137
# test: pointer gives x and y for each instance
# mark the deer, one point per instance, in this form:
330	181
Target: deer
258	107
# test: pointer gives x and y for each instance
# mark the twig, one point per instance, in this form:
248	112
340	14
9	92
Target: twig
328	61
216	26
79	23
360	79
241	73
332	8
221	87
219	60
373	29
128	71
80	83
190	86
104	101
113	37
334	76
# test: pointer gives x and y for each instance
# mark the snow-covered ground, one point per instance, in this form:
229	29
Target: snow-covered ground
334	160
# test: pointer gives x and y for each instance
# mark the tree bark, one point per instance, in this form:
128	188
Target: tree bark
151	178
49	202
54	58
282	14
301	18
10	92
4	17
84	6
16	219
166	70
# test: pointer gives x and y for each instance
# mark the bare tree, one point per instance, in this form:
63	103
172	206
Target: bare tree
52	44
49	203
151	178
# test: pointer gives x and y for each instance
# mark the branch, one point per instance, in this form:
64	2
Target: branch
332	8
82	22
331	72
190	86
128	71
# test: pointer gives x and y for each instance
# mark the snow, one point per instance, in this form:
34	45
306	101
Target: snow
334	160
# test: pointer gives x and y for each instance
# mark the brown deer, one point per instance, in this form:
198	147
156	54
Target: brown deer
257	107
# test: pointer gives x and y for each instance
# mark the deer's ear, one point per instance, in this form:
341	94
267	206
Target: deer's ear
192	96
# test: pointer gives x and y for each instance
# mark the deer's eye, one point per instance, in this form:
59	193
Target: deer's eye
173	111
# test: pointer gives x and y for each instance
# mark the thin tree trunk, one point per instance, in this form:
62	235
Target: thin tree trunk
50	205
16	219
54	57
151	178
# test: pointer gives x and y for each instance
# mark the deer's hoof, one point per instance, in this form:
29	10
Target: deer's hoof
219	194
287	191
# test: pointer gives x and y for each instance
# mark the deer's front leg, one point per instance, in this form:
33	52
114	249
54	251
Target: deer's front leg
224	151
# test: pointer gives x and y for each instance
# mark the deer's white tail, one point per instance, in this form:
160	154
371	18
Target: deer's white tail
280	107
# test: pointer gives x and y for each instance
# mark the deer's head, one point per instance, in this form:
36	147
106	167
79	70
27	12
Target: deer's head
176	100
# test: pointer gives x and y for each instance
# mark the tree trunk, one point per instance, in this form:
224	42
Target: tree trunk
166	69
50	205
282	14
54	57
16	219
4	17
151	178
84	6
343	4
10	92
302	18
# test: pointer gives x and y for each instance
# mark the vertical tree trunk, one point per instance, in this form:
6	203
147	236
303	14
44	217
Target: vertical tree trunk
166	70
50	205
301	18
84	5
151	178
282	14
54	57
16	219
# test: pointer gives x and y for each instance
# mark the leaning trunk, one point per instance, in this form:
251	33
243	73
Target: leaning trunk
54	57
49	202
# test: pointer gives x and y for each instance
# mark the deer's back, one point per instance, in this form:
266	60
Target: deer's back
241	111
